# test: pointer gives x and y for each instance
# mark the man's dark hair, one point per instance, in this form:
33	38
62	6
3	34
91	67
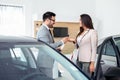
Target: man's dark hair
48	15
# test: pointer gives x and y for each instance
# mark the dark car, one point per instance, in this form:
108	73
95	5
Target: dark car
18	61
108	59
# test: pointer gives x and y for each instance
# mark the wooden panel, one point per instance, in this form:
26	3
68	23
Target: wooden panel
73	29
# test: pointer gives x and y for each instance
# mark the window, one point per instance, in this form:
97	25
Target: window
98	49
18	54
117	41
12	20
53	65
108	49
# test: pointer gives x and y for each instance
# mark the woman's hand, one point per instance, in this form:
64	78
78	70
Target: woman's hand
91	67
71	40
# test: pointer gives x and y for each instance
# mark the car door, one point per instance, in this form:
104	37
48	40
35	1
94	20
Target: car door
108	58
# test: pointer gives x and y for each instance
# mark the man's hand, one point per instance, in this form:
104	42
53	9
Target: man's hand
65	39
58	48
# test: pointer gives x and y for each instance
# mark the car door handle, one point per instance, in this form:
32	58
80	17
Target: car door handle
102	62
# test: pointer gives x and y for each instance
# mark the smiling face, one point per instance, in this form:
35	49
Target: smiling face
49	19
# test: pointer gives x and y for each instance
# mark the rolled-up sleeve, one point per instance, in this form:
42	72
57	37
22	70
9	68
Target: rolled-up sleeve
94	42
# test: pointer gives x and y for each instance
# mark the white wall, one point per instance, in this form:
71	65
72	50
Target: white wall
66	10
108	17
28	16
105	13
11	2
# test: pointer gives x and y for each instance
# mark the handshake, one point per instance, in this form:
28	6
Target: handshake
67	39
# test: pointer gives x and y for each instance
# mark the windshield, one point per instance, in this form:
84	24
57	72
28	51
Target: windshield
35	62
48	58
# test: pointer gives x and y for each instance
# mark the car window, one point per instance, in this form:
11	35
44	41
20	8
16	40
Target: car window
57	71
117	41
98	49
17	54
108	49
18	62
20	58
55	66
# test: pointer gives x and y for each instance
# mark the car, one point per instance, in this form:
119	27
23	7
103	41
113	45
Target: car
19	61
108	59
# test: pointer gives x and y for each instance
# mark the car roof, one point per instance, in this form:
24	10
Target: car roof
108	37
116	36
15	39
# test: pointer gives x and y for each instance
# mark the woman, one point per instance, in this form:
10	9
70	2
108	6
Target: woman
86	41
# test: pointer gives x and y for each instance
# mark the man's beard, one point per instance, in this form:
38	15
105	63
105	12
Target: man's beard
50	26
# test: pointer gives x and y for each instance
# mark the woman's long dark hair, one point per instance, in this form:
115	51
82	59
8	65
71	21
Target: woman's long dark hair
87	21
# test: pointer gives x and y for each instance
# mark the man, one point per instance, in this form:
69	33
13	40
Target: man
45	35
